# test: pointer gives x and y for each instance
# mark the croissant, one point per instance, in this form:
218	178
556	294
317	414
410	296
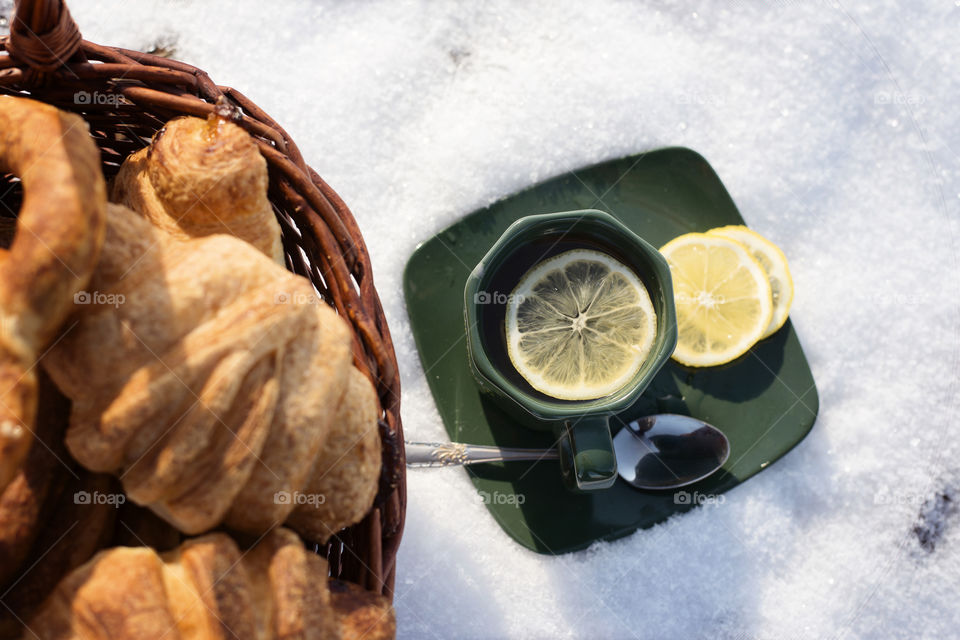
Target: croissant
206	376
201	177
59	233
205	589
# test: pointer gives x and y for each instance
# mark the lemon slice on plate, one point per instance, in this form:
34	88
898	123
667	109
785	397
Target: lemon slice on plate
722	297
579	325
774	263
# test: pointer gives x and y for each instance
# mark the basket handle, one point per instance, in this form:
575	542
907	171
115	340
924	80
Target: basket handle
43	35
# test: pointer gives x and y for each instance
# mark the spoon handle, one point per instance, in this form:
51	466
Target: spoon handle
449	454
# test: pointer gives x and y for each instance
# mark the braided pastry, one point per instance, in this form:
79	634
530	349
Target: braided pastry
208	379
59	233
202	177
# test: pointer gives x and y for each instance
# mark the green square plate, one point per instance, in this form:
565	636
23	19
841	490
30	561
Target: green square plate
765	402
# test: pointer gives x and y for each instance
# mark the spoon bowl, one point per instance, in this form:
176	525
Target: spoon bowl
668	451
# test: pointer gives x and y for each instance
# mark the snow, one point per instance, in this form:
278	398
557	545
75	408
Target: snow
834	126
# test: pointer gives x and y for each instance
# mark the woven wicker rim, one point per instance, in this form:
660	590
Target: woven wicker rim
126	97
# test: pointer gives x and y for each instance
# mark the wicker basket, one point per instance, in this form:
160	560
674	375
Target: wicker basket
45	58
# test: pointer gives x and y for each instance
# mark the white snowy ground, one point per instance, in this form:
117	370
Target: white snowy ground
836	128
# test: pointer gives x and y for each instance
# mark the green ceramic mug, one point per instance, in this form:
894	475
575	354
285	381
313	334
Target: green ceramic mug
582	428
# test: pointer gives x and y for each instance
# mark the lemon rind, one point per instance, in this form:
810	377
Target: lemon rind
781	311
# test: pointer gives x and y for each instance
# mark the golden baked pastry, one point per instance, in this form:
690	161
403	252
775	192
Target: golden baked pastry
206	589
361	614
345	479
53	253
219	160
201	177
207	376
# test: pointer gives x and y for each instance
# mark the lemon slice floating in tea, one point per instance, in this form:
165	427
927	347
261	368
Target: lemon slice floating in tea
774	263
579	325
722	296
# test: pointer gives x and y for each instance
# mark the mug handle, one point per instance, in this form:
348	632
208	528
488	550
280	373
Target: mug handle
587	460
